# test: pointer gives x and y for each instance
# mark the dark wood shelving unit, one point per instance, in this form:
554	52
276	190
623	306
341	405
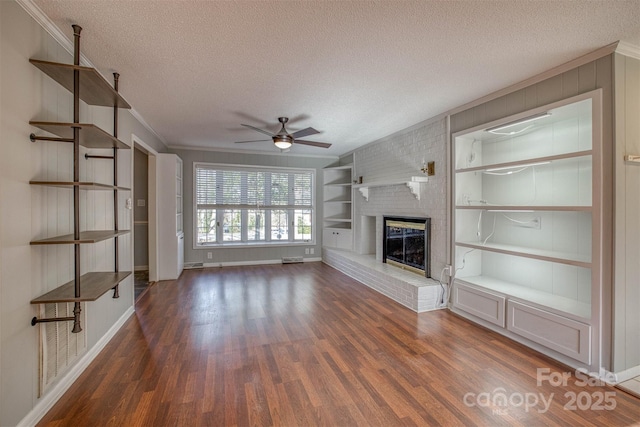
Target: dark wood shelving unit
93	286
87	85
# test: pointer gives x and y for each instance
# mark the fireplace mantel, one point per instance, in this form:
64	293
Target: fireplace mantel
413	184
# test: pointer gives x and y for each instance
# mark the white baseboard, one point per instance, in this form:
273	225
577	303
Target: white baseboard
141	268
47	401
260	262
627	374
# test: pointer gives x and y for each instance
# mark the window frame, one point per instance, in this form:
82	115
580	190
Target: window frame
245	242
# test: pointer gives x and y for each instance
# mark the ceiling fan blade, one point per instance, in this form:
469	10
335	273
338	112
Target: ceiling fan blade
304	132
313	143
258	129
256	140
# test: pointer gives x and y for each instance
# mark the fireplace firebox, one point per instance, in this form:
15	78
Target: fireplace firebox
406	243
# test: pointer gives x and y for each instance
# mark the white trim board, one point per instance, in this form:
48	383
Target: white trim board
628	49
248	263
51	398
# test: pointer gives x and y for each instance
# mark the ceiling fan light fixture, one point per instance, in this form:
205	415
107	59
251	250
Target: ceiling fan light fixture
282	141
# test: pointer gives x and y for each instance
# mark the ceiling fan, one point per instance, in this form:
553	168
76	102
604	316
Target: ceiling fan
283	139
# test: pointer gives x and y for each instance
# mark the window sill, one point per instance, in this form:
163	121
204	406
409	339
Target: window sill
240	245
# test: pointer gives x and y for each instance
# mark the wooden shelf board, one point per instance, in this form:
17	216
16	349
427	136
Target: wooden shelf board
338	201
527	161
337	219
82	185
527	208
85	237
338	184
539	254
92	287
94	89
91	136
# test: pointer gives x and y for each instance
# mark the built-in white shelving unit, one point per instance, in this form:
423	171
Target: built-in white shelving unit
170	216
337	207
526	239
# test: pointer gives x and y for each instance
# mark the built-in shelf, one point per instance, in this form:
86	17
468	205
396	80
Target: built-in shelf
338	207
338	184
92	285
338	201
540	254
82	185
545	299
91	136
535	161
85	237
337	219
532	270
413	184
527	208
94	89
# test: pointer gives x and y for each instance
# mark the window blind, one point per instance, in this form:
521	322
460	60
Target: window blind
218	187
249	204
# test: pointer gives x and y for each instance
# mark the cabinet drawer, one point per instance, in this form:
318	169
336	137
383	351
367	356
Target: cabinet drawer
558	333
485	305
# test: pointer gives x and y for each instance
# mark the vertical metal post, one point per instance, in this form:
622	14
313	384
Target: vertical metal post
76	175
116	289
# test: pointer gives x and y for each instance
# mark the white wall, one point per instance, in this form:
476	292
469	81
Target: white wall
29	212
397	158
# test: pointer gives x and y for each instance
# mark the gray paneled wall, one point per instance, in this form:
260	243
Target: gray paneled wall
626	340
244	254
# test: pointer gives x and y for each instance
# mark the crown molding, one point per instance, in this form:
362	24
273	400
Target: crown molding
67	44
628	49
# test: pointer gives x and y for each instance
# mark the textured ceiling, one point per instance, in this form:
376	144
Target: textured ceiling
356	71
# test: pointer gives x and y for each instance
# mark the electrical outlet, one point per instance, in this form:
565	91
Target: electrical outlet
448	270
312	250
306	251
535	223
209	255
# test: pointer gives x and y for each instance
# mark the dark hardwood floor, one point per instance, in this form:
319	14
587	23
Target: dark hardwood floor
303	345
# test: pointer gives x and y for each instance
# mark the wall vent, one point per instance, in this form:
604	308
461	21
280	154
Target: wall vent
292	259
190	265
59	347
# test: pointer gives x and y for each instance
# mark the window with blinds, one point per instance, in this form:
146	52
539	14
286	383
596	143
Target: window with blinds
246	204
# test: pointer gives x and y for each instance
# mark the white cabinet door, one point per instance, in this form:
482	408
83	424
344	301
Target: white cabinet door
337	238
482	304
559	333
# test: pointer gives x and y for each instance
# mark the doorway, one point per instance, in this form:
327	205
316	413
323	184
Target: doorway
144	217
